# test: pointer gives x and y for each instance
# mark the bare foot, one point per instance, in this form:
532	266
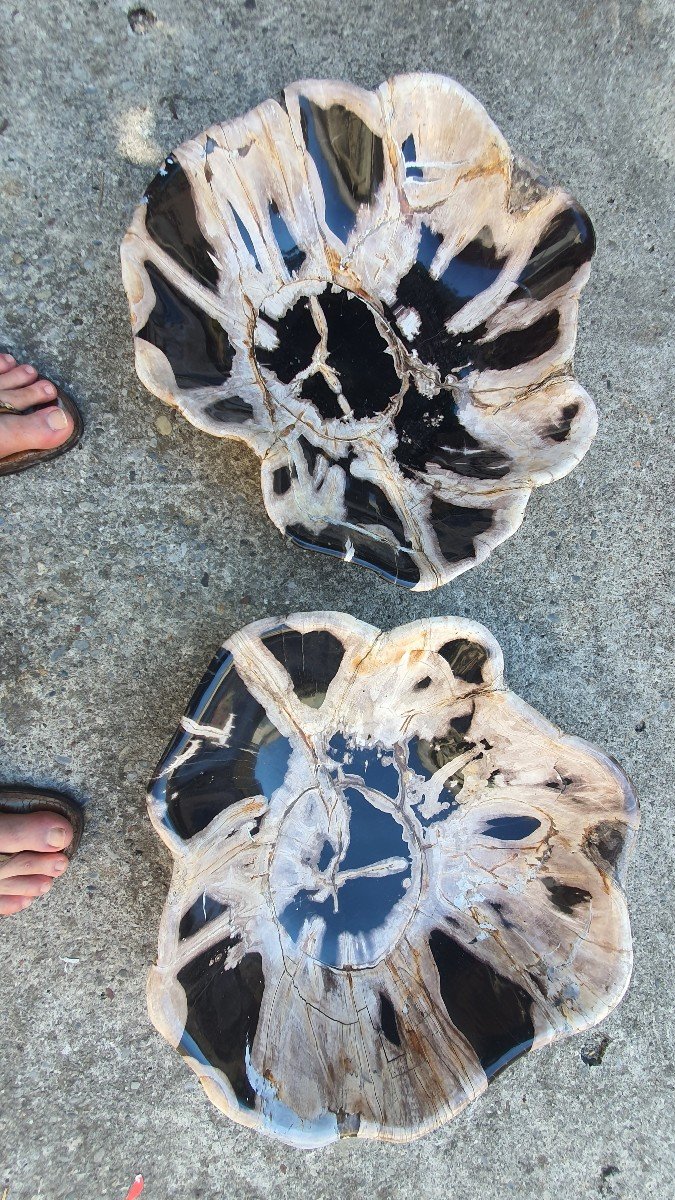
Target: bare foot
21	388
33	840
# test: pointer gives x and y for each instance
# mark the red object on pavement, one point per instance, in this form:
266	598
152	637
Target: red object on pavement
135	1189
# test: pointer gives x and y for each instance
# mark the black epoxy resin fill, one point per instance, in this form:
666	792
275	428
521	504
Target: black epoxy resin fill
351	893
490	1011
171	220
391	562
349	159
357	358
223	1010
311	659
249	761
195	344
430	433
293	256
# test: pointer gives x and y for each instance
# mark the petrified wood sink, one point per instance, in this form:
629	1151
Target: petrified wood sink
392	877
374	294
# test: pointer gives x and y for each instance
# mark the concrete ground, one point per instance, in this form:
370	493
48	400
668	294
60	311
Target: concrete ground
127	562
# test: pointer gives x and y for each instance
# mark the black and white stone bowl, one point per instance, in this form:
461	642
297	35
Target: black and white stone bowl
392	877
375	295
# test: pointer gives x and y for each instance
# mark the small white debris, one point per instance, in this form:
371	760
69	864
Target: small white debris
163	426
409	322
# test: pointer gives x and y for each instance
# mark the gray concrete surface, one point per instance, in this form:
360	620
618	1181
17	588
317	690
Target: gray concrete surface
108	619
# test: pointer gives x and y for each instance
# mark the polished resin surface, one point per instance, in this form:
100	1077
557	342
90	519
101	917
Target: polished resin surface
374	294
392	877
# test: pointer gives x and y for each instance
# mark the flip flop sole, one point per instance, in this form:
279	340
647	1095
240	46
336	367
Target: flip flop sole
13	463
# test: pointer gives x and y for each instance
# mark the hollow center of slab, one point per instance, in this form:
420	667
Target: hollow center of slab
332	348
343	877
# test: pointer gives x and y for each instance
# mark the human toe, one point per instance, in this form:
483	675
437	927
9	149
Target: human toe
39	831
43	430
9	905
16	375
35	391
31	862
26	885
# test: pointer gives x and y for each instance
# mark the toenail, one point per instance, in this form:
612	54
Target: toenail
7	358
59	867
57	838
57	419
28	370
44	888
48	389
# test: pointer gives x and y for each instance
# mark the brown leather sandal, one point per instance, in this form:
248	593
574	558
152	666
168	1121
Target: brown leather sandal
14	463
22	799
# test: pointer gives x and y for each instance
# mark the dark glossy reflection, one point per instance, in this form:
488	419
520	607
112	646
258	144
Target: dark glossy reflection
395	565
518	346
223	1009
456	527
364	900
388	1022
466	659
230	410
436	301
373	765
566	244
491	1012
310	453
511	829
429	431
253	763
281	481
349	159
199	914
468	274
425	758
297	338
357	355
322	396
197	347
245	237
365	505
312	660
291	253
409	152
171	221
